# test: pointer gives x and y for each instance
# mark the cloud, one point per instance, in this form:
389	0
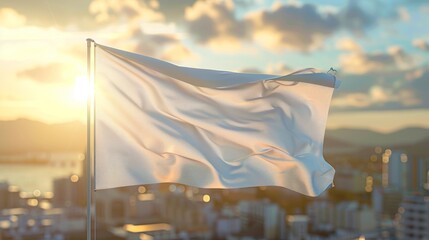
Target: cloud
414	74
305	27
152	45
355	19
419	87
398	89
360	63
10	18
421	44
214	23
273	69
125	10
278	69
177	53
93	14
348	44
380	81
165	46
377	98
402	59
379	94
292	27
424	9
174	11
58	13
355	61
50	73
353	100
403	13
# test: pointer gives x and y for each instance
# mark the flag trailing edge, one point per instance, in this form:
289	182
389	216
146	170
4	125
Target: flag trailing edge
158	122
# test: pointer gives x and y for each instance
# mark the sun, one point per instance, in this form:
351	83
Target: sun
81	89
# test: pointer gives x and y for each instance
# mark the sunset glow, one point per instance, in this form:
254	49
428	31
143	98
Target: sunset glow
80	89
383	65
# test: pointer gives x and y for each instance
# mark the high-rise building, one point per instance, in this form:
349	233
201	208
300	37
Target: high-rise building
69	192
419	176
4	186
321	215
226	226
344	218
386	201
349	216
413	218
298	225
274	222
269	216
405	172
397	170
9	196
183	212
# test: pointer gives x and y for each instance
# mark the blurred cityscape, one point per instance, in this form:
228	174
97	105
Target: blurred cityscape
380	192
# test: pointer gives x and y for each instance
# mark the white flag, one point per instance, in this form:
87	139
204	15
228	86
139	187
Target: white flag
157	122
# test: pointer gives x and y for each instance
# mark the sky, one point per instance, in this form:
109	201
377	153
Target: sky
380	49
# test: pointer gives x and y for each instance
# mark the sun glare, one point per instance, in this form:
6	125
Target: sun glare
81	89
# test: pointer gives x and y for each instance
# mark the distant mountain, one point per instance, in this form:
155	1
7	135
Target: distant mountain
335	146
365	138
22	135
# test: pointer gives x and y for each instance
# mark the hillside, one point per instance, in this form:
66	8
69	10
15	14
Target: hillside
26	135
368	138
23	135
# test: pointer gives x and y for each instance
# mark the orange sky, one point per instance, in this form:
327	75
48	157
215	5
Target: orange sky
382	56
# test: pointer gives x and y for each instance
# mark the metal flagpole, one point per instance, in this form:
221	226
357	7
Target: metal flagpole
93	149
88	145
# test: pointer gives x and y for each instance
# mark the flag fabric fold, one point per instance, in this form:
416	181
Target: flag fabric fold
157	122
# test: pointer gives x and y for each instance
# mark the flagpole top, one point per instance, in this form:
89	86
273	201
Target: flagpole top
89	41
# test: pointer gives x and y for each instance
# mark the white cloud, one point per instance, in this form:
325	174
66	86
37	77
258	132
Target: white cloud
11	19
352	100
355	61
421	44
177	53
300	27
348	44
376	97
55	72
114	10
379	94
214	23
